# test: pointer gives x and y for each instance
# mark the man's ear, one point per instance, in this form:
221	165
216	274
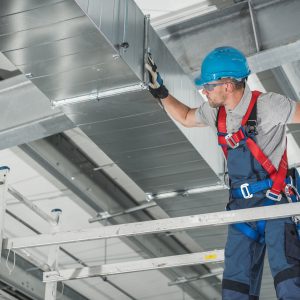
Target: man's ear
229	87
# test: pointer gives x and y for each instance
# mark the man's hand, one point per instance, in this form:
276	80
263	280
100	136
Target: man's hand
156	86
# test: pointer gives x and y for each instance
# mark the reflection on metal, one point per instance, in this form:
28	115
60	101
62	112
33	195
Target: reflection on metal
136	266
14	86
182	280
254	26
292	79
187	192
106	215
101	94
275	57
31	205
181	15
19	95
146	43
105	166
33	260
156	226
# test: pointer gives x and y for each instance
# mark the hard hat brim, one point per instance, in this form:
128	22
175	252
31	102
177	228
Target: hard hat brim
199	82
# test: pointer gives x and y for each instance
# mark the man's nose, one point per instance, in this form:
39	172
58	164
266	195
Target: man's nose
204	92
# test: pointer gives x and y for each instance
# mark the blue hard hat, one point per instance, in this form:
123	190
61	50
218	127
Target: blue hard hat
223	62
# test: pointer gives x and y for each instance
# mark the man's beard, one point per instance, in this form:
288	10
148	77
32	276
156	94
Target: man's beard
213	104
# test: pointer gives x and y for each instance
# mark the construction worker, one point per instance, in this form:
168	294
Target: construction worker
252	133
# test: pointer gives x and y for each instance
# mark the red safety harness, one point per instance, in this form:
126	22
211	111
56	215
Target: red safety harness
232	140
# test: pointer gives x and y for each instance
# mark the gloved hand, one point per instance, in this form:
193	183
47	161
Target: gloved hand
156	86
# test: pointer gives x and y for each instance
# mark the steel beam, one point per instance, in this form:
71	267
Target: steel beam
274	32
136	266
156	226
274	57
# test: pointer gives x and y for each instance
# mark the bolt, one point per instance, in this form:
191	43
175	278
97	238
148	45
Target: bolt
124	45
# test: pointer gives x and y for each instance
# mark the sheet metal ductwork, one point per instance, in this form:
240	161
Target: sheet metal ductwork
72	49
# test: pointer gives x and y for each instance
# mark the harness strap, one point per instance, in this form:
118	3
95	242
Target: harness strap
248	231
277	177
246	191
257	234
232	140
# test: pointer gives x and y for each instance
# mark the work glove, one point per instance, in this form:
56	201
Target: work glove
156	86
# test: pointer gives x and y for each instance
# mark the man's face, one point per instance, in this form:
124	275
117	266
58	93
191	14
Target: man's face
215	93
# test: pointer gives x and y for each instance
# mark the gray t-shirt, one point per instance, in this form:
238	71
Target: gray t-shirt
274	111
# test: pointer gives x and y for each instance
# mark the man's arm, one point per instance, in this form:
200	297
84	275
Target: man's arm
296	118
181	112
176	109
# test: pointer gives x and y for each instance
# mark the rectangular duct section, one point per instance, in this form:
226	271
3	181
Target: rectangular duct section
82	49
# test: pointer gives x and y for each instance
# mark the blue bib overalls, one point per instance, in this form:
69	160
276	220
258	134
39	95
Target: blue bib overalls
244	256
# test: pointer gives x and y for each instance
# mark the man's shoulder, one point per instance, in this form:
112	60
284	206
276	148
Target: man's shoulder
266	96
275	108
270	98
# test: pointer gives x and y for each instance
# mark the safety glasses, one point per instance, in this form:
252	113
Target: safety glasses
211	86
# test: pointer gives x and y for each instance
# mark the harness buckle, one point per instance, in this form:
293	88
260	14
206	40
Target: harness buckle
245	191
273	196
296	220
252	127
290	190
230	141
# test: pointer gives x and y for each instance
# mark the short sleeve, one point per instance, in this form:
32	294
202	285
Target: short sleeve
276	109
206	114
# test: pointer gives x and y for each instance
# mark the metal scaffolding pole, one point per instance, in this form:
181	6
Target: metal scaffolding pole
136	266
51	287
156	226
3	188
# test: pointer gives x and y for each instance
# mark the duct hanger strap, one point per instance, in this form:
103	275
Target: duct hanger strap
100	95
